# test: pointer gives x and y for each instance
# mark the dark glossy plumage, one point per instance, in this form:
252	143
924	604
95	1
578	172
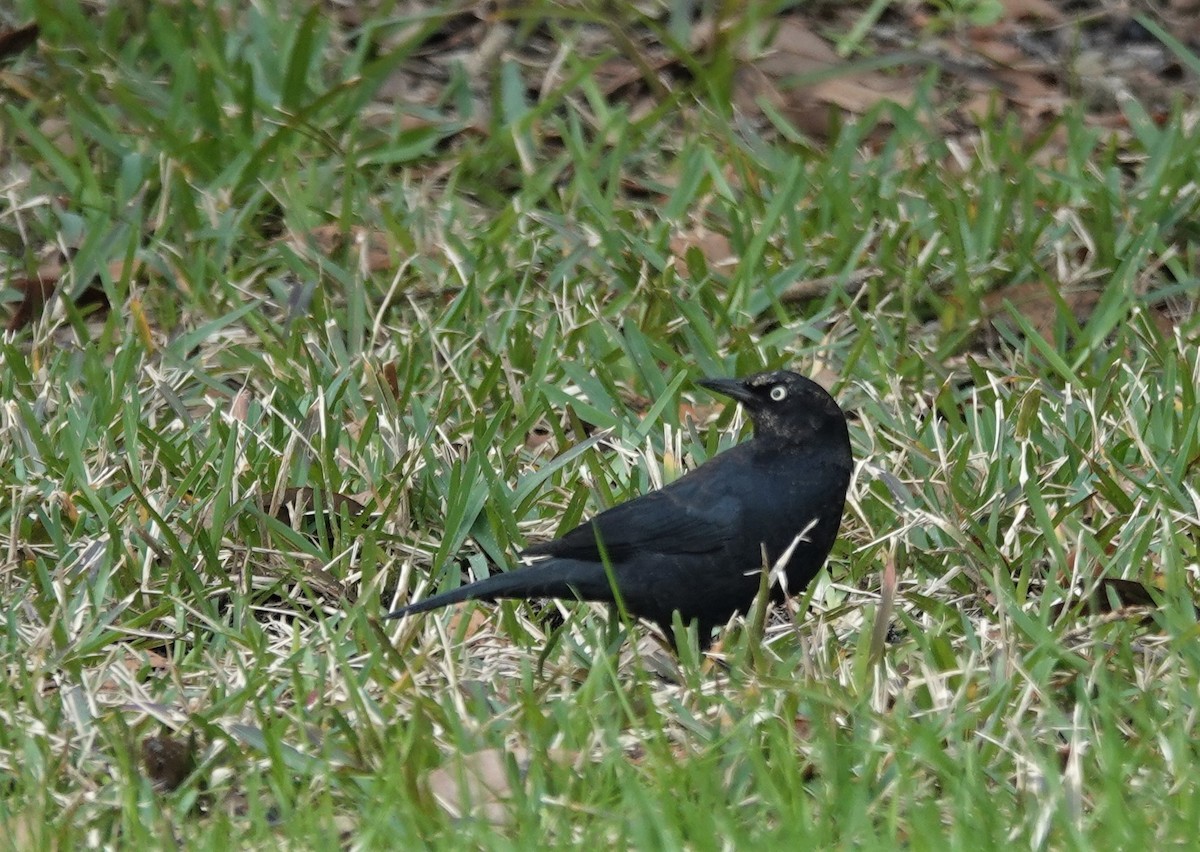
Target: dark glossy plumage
697	545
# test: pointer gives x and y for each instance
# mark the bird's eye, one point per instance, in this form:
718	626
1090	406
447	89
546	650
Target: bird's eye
779	393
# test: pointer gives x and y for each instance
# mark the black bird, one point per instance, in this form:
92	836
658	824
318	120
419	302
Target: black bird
698	545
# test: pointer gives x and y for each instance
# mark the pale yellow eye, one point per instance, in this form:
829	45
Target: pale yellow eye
779	393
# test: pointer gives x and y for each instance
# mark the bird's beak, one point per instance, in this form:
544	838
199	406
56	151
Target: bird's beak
732	388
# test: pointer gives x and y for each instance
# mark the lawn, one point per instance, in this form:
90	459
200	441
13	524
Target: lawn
314	309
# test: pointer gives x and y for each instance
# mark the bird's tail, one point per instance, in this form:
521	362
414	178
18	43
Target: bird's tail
551	578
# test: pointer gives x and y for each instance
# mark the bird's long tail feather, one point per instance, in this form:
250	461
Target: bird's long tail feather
552	578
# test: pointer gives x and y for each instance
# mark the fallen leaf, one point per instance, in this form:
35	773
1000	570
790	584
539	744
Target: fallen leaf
13	42
294	508
1035	301
34	292
481	783
474	783
146	657
373	248
37	291
28	829
1019	80
816	288
1114	595
1032	10
167	761
713	246
801	76
538	437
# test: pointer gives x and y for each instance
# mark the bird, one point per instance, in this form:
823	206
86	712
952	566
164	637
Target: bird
697	546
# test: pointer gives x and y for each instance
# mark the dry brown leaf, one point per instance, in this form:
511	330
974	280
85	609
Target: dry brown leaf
391	378
148	657
614	74
239	408
797	53
168	761
1020	81
36	291
796	49
59	132
1114	595
802	726
699	413
1183	20
860	93
481	784
883	613
816	288
538	437
713	246
1035	302
1034	10
824	375
27	830
297	503
478	620
14	41
325	584
371	246
474	783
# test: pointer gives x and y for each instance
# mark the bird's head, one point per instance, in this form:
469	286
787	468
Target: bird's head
784	406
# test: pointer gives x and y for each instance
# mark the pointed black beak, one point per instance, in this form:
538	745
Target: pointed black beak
732	388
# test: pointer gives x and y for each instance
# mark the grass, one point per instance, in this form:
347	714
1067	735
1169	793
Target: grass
522	355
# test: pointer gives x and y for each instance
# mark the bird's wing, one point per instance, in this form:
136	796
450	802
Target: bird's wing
659	522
